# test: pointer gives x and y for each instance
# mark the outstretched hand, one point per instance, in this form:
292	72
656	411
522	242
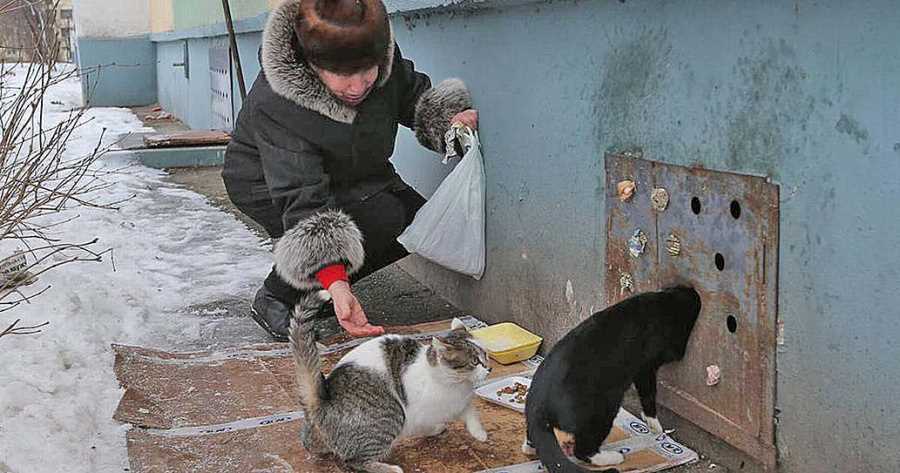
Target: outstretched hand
468	118
350	313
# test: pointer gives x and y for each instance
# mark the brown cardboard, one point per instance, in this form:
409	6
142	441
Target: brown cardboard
235	410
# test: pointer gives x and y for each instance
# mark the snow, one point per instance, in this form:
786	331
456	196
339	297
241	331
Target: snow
171	250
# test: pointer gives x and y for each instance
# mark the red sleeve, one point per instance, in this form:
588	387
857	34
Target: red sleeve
332	274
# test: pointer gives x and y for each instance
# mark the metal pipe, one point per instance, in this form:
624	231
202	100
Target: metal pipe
234	49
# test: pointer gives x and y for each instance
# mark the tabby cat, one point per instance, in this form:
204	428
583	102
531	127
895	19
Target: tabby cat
385	389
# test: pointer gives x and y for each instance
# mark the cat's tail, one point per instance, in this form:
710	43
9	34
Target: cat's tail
552	456
310	381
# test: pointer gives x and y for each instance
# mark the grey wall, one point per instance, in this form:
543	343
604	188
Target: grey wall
804	92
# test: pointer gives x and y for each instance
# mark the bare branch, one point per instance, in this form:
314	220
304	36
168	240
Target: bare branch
13	329
40	177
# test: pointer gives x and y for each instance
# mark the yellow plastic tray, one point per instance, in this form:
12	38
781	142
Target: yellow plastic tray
507	342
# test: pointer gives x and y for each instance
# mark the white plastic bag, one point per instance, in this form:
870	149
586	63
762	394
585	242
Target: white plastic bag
449	228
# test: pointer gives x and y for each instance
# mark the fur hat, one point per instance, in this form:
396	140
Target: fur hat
343	36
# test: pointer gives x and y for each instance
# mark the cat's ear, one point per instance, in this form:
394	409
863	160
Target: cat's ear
445	351
439	345
458	325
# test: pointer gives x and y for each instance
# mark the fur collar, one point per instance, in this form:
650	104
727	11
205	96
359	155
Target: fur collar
292	78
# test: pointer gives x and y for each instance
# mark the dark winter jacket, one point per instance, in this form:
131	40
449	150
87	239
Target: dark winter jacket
301	148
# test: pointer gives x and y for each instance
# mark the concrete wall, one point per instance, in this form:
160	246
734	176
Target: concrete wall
803	92
116	56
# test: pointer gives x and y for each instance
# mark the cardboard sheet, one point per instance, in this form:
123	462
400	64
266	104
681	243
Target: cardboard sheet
235	410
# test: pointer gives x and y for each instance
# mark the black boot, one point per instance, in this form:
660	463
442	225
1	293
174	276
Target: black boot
272	314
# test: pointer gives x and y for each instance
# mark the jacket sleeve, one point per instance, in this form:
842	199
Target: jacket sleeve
412	85
434	110
315	236
294	171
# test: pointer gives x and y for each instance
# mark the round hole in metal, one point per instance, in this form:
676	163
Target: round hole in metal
720	261
695	206
735	209
731	321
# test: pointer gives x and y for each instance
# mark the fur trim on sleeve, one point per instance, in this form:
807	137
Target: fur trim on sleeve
326	238
434	110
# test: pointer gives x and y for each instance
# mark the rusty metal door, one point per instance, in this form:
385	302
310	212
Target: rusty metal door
222	105
718	231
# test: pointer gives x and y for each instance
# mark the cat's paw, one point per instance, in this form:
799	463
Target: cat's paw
478	432
527	449
377	467
606	458
653	423
437	430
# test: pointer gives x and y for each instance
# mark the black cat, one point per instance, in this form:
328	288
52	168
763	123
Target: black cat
576	392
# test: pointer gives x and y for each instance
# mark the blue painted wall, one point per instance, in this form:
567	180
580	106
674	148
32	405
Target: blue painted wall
118	72
804	92
190	99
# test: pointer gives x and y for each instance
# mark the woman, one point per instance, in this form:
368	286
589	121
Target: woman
309	154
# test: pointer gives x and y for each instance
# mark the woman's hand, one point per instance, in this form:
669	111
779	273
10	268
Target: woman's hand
349	313
468	118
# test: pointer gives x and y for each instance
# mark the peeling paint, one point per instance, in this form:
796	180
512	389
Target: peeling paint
713	375
660	199
524	192
625	190
626	283
637	243
570	292
673	245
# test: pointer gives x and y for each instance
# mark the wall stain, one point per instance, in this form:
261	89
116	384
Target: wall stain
849	126
773	111
631	85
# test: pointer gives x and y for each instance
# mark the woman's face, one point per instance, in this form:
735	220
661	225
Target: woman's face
351	89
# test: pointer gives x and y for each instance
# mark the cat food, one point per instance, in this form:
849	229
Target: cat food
511	392
518	391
